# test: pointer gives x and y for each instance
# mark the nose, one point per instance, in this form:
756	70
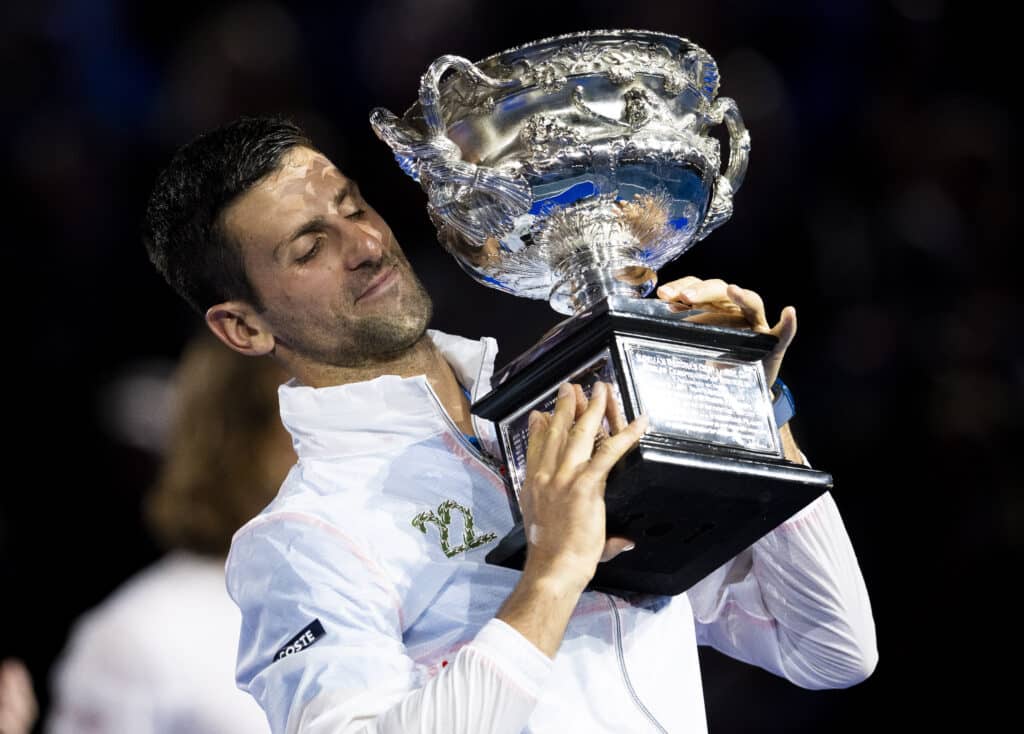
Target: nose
365	246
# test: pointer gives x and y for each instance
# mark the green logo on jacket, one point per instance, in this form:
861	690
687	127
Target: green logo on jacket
443	519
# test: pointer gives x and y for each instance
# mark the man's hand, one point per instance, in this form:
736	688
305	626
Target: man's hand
567	463
730	305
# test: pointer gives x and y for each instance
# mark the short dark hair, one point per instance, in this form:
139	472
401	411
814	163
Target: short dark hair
183	228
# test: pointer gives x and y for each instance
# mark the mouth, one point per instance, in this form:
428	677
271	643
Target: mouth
381	283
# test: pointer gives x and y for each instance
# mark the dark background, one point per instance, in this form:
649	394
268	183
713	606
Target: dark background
879	201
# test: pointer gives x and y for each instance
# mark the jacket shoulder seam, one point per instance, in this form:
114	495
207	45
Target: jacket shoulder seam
355	548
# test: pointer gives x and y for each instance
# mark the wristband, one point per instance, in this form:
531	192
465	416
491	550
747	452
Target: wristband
782	403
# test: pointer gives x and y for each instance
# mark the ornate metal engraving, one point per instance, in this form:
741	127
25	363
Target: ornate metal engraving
539	162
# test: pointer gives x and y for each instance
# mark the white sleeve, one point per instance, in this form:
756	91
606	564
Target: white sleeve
287	573
794	603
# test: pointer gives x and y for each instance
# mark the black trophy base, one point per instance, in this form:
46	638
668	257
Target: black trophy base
709	477
688	514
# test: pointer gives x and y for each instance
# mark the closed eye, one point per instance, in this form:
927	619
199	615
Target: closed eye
311	253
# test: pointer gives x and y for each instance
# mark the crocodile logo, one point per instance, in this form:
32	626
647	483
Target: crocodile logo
443	520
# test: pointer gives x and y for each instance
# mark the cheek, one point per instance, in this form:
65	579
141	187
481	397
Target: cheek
375	229
376	222
313	292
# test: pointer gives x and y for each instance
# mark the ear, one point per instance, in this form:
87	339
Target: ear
238	325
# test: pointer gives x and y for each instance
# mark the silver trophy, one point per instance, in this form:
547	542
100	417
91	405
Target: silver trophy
572	169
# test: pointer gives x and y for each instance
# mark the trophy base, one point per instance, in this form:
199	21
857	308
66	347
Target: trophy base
687	513
707	480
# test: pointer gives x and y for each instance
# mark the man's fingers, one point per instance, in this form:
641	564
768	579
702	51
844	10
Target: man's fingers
674	289
707	291
785	330
613	412
615	447
580	445
581	400
752	306
703	293
565	407
558	428
538	426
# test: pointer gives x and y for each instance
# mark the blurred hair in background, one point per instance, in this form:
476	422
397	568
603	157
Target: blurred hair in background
228	452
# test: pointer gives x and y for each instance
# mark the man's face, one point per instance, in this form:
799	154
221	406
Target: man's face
335	286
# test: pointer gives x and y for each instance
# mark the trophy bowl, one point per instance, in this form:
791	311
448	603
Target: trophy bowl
571	169
575	167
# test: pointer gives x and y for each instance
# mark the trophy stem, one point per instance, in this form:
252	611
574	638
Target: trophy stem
587	279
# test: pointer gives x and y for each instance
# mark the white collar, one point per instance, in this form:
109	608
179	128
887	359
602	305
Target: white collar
388	411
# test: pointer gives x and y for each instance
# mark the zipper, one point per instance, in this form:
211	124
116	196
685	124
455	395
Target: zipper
484	361
620	654
483	459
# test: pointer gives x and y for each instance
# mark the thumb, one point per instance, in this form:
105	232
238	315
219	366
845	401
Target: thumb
785	330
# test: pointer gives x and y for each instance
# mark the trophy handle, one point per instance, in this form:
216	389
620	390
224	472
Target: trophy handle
430	88
475	200
728	183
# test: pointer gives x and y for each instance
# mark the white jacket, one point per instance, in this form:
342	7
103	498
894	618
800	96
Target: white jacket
367	604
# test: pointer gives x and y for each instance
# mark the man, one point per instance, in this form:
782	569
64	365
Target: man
367	605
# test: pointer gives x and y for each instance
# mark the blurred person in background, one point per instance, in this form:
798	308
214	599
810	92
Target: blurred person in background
361	612
158	654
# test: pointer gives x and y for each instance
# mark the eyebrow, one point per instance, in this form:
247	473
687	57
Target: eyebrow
349	187
317	223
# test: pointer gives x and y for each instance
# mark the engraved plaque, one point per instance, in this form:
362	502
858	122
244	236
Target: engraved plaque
700	395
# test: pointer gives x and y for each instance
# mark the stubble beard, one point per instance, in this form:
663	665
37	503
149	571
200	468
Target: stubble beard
370	339
380	337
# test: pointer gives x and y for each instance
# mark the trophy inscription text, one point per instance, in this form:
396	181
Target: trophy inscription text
698	395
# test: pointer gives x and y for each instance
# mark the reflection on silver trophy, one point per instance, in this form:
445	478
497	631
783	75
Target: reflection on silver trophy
572	169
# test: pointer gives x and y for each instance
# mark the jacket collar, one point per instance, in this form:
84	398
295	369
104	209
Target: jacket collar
388	412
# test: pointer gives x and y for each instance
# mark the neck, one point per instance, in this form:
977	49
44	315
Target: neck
422	358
